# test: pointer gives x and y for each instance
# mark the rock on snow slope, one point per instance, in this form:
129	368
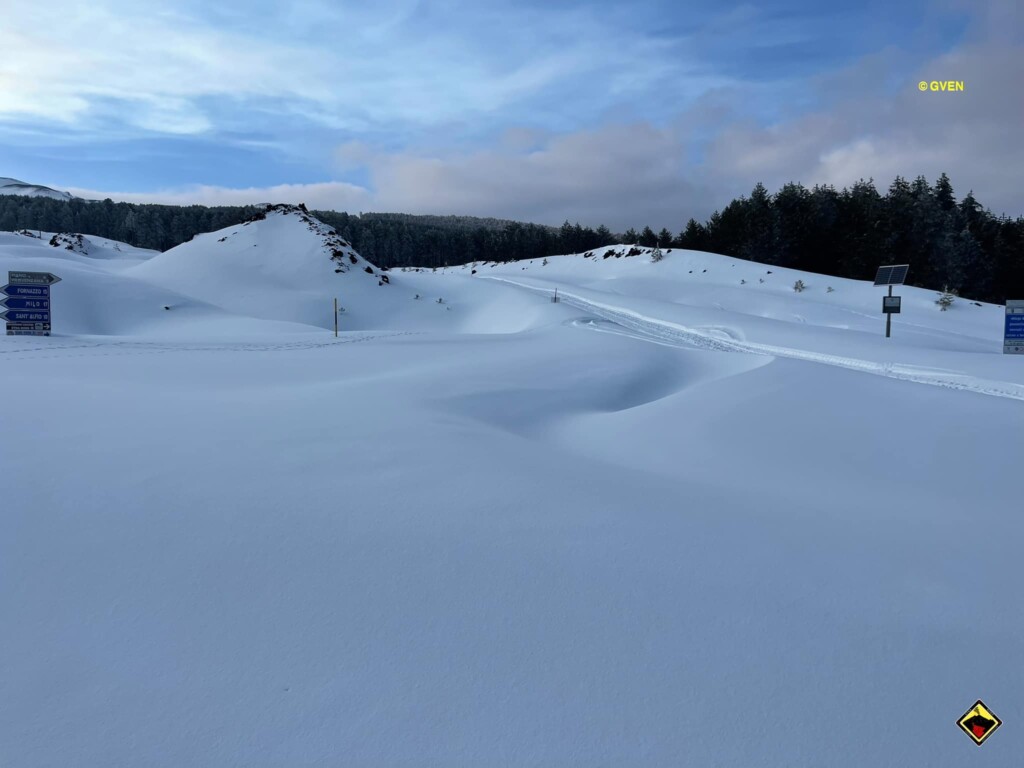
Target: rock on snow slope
681	517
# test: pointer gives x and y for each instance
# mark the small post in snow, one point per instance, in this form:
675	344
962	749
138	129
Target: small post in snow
888	316
892	275
554	299
335	317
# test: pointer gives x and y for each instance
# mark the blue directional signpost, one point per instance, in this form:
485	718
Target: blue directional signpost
27	300
1013	336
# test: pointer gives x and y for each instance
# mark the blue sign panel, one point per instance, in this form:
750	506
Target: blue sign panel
19	302
20	316
36	291
1014	326
27	298
32	278
1013	338
30	329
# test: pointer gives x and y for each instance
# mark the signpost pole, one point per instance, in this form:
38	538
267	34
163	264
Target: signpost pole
335	317
890	275
888	318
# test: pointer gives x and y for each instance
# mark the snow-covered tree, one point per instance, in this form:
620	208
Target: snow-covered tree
946	298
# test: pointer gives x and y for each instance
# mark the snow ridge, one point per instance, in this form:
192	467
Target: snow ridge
711	339
9	186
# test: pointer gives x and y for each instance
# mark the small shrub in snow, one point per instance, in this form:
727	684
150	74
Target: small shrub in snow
760	279
830	289
440	301
743	282
416	296
544	263
656	255
368	270
352	258
798	286
945	300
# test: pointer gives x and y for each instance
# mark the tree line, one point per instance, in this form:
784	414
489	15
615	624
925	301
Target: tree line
849	233
846	233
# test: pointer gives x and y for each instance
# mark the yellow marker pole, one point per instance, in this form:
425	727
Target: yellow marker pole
335	317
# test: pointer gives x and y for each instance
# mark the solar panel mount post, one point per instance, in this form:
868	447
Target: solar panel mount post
894	274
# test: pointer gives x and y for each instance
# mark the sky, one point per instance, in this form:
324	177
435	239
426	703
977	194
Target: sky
622	113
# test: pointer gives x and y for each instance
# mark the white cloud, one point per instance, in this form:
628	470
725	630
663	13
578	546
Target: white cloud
163	67
974	135
612	175
323	196
619	174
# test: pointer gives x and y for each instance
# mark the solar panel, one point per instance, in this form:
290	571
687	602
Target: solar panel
894	274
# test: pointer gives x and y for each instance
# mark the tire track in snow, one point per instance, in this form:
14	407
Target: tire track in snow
673	334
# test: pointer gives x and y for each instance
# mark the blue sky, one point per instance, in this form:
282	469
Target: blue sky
623	113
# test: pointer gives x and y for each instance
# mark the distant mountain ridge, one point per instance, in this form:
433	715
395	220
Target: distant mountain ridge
10	186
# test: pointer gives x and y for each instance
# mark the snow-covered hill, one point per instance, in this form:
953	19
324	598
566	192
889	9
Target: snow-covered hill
14	187
97	297
686	515
718	302
283	266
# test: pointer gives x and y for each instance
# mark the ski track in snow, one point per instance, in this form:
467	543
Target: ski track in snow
713	339
120	348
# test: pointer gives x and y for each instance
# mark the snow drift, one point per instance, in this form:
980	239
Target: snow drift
684	516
